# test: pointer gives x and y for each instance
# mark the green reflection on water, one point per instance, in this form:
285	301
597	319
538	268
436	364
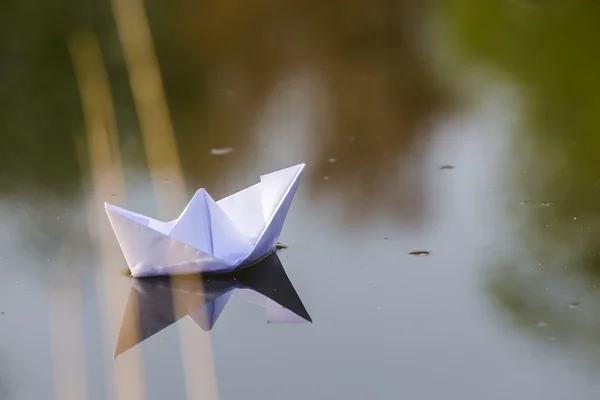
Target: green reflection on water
549	50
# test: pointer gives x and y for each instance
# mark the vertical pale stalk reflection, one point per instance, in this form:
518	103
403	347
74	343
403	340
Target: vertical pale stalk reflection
66	324
107	181
165	166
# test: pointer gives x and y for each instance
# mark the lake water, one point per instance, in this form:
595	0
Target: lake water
442	240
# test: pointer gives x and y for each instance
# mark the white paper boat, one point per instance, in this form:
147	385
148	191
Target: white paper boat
209	236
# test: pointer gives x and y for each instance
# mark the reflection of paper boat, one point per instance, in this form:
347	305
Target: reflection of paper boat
209	236
158	302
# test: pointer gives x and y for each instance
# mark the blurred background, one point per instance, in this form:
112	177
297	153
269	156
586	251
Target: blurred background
467	130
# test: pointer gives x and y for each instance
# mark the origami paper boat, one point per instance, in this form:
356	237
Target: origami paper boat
152	306
209	236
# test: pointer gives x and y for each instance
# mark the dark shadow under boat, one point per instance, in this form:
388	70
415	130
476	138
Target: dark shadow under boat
158	302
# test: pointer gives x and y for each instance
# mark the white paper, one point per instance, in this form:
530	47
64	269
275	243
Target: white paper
209	236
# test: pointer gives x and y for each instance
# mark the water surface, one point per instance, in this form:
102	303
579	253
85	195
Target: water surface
443	239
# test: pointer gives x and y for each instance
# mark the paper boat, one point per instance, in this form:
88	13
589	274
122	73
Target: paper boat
209	236
156	303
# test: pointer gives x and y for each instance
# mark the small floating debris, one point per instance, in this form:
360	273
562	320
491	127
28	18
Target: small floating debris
332	160
326	178
221	151
547	204
420	253
447	167
542	324
527	203
280	246
574	304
